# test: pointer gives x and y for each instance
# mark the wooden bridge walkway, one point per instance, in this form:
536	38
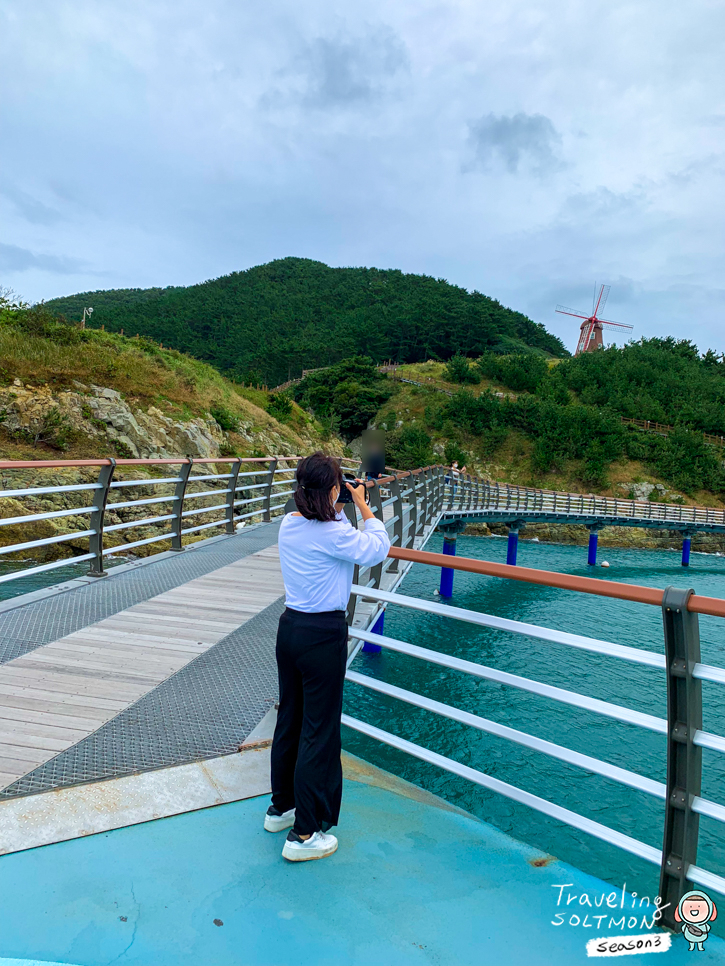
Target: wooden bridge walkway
60	692
57	696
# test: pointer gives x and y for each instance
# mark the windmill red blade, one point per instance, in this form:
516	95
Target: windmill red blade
615	325
584	336
566	311
602	300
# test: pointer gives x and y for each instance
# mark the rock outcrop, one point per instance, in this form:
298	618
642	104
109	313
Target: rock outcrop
41	414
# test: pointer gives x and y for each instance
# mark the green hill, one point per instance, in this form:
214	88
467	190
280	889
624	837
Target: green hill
268	323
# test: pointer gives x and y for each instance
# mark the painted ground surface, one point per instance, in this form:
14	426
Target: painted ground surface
415	881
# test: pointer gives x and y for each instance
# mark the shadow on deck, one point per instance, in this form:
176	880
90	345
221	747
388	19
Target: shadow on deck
415	881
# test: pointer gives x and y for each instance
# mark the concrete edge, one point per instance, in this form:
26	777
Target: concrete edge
62	814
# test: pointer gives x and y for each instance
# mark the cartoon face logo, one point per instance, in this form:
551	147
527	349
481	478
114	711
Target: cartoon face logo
696	911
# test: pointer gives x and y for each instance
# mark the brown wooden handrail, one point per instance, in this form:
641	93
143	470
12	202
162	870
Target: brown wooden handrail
586	585
57	464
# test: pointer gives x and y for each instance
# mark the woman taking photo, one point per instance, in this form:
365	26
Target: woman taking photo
318	550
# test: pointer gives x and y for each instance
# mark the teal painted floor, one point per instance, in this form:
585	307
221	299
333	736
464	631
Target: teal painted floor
414	882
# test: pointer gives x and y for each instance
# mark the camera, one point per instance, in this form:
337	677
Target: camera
345	495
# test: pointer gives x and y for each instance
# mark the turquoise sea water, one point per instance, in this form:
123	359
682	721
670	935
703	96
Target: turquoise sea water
610	679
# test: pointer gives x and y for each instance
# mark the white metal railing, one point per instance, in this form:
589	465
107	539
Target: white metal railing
508	501
255	489
251	489
683	672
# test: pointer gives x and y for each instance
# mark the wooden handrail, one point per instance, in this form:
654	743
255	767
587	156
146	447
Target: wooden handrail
586	585
57	464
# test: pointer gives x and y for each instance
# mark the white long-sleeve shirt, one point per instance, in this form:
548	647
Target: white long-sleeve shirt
318	559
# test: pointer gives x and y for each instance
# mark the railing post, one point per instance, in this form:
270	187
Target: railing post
376	573
179	494
100	499
423	501
376	505
350	511
426	497
398	525
267	514
412	530
231	495
684	757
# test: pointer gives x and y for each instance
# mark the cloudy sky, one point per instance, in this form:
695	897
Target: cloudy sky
526	149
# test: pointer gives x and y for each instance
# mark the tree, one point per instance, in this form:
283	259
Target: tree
352	392
459	369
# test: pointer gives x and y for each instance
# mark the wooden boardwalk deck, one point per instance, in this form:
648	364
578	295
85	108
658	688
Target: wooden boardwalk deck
61	692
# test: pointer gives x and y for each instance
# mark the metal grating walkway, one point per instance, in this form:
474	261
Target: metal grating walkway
28	626
206	709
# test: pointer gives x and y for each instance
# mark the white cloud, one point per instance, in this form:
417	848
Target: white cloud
524	149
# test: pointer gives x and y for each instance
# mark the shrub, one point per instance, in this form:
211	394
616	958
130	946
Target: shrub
409	448
686	460
459	369
55	430
523	372
473	413
493	439
594	467
345	396
454	452
122	449
226	418
279	406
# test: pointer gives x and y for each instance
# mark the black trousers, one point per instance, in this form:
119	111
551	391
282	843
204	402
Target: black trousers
306	767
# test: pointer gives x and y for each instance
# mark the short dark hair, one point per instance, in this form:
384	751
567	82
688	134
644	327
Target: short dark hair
316	475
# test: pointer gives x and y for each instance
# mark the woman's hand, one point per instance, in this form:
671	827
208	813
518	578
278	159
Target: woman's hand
358	498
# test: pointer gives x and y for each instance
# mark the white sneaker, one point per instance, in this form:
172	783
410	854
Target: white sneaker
317	846
275	821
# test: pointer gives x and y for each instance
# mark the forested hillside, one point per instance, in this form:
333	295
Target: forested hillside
557	424
270	322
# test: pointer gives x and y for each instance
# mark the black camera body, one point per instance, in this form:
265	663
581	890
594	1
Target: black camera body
345	495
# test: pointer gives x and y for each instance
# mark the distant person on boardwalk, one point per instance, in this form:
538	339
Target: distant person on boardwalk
318	550
374	458
453	476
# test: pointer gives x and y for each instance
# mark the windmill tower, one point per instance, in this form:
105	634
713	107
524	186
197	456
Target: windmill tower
590	335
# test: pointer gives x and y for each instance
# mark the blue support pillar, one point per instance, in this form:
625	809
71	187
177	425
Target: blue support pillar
449	547
377	628
512	548
592	556
686	544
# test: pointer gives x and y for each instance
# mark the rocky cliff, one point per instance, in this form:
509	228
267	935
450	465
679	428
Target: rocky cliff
99	414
